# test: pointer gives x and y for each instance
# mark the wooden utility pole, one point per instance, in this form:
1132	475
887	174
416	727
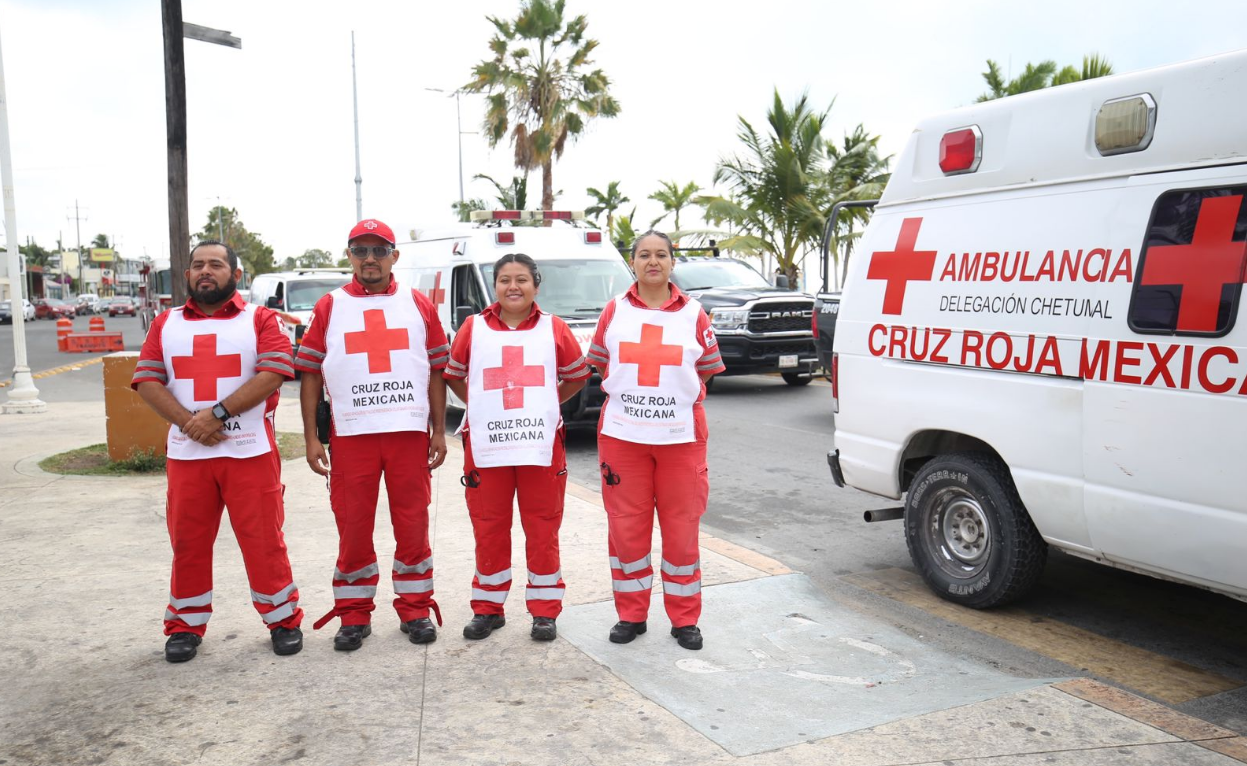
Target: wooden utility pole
175	127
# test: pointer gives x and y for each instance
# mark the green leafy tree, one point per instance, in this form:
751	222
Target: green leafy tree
673	199
623	234
463	210
101	240
607	203
1040	76
854	171
513	196
541	90
225	225
313	258
35	255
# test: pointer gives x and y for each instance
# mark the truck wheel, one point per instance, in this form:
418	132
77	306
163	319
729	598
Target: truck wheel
969	534
795	379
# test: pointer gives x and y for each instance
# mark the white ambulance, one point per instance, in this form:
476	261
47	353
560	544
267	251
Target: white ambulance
580	272
1041	340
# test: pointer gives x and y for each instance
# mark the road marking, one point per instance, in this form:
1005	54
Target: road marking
1164	678
1145	711
57	370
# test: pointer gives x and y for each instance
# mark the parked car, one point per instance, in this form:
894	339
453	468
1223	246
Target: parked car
88	303
54	308
6	311
122	305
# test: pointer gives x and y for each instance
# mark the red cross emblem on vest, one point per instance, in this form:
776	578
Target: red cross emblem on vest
205	368
513	377
650	355
901	266
1204	268
377	341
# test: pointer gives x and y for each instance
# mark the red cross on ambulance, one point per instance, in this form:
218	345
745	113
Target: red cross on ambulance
901	266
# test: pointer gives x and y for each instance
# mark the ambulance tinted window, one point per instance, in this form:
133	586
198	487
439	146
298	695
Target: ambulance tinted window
1191	269
467	290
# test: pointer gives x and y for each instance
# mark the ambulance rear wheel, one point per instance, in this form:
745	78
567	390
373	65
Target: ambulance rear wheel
796	379
969	534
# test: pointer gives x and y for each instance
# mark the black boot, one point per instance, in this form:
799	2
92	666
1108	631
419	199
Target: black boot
420	631
543	629
625	631
182	647
688	637
286	641
351	637
481	625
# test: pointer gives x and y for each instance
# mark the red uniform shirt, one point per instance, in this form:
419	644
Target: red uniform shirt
571	364
710	362
272	347
312	347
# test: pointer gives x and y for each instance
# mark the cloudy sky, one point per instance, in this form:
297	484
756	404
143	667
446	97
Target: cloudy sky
270	126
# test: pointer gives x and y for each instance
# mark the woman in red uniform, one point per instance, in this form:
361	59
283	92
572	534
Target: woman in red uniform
655	350
514	364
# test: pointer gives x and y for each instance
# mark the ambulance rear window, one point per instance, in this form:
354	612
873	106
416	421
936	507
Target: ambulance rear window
1191	270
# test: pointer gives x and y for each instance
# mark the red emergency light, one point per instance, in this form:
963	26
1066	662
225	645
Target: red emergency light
506	215
505	238
556	215
961	150
593	237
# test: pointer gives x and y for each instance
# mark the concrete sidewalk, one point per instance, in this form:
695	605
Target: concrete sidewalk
787	676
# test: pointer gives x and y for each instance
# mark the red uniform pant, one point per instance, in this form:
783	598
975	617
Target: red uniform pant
490	502
251	488
636	480
357	464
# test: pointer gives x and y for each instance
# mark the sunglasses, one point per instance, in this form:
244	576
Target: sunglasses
378	252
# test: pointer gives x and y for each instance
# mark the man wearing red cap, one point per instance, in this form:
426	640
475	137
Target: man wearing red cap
213	368
379	350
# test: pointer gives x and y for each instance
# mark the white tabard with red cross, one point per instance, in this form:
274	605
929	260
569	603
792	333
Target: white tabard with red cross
513	399
652	380
376	364
207	360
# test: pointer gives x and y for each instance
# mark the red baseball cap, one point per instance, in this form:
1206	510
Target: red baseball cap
372	226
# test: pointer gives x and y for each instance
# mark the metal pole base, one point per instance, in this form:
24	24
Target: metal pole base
23	397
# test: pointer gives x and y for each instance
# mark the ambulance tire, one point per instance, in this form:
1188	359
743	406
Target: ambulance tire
969	534
796	379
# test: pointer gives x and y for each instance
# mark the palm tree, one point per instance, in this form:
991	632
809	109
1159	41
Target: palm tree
511	197
463	210
539	87
673	199
776	200
623	234
855	171
607	203
1040	76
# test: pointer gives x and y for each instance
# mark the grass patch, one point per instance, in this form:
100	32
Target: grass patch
94	460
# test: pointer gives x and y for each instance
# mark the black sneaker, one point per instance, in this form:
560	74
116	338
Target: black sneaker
351	637
286	641
420	631
688	637
481	625
625	631
543	629
182	647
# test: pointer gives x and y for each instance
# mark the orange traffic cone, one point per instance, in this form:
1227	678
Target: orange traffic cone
64	326
97	324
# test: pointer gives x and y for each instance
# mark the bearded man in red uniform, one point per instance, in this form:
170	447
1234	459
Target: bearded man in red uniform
213	368
379	349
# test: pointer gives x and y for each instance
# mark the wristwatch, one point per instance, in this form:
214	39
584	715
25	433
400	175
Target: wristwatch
219	412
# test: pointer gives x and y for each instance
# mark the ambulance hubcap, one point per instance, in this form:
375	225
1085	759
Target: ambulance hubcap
959	531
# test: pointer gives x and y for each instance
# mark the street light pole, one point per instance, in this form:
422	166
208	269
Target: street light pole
459	126
23	396
359	181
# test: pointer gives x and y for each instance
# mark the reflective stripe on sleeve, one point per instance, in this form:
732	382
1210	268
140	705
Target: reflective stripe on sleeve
498	578
151	363
413	586
311	352
279	614
151	375
544	594
279	356
439	350
574	365
628	567
421	568
633	586
194	619
275	366
354	591
550	579
203	599
678	589
672	569
495	596
369	571
280	597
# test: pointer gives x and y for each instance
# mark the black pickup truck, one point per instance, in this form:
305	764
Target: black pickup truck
761	328
826	311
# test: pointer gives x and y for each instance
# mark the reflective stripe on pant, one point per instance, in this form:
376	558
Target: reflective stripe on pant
673	479
251	489
540	493
358	463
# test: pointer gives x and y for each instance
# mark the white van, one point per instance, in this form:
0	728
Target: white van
294	294
1041	339
580	272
